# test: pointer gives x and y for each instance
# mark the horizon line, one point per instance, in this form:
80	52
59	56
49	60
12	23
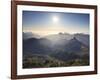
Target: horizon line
57	33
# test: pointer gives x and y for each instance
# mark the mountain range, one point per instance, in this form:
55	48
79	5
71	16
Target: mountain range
61	46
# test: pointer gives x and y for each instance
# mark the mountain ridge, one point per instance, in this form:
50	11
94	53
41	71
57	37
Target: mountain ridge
64	51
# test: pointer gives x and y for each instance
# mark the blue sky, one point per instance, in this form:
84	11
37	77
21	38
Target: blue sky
45	23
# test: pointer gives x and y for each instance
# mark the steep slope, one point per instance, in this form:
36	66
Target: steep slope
36	46
72	50
84	38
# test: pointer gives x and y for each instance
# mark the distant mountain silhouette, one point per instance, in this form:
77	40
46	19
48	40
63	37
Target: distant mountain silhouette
27	35
61	37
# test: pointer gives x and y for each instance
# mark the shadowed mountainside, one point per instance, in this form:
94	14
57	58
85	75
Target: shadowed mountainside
56	50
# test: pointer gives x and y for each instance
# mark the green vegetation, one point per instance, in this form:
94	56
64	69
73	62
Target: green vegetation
37	61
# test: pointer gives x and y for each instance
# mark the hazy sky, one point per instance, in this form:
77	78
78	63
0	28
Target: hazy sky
45	23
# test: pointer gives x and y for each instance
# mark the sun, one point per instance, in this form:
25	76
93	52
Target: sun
55	19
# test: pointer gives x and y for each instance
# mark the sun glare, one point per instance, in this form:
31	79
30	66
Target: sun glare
55	19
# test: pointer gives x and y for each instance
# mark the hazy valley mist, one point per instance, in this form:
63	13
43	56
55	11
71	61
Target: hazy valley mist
56	50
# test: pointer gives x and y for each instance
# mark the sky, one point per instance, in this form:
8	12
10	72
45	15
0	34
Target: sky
45	23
